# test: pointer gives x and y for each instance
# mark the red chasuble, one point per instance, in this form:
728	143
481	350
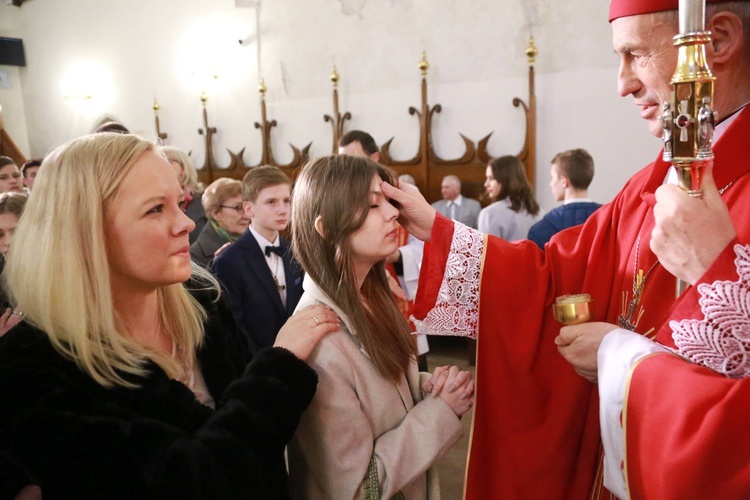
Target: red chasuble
536	428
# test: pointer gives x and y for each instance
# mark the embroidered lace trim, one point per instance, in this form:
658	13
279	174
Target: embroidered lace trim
721	341
456	310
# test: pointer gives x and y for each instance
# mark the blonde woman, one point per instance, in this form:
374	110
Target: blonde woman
370	432
191	188
222	201
128	378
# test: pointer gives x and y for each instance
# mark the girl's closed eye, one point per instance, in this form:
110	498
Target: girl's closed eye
157	209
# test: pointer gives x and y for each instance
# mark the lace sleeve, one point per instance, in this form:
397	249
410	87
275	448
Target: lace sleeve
721	340
456	311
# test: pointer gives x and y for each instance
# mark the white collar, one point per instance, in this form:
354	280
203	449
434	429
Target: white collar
262	242
576	200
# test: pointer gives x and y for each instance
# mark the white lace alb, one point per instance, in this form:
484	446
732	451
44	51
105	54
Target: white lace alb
456	310
721	341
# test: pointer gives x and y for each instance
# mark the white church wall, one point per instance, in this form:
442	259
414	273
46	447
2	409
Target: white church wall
142	49
11	98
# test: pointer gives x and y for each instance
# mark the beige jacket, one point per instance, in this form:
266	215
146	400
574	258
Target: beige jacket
355	413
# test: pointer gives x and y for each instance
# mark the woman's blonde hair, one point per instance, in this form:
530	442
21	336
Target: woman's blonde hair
218	192
191	175
337	188
58	270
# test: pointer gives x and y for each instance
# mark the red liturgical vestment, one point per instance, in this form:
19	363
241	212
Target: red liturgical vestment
536	427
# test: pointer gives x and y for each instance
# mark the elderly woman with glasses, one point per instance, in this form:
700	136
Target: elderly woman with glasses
222	201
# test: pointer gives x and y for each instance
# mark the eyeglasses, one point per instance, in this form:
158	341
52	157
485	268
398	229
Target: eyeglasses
236	208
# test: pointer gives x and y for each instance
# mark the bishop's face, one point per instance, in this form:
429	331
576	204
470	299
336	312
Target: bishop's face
647	61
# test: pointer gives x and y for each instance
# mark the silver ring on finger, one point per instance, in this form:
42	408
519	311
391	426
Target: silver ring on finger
317	321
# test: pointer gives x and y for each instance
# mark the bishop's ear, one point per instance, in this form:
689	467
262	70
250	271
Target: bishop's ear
727	40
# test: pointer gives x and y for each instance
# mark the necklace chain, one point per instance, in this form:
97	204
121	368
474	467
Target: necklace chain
279	287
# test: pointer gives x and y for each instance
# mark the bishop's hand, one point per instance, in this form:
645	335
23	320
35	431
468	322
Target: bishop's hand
579	345
417	216
690	233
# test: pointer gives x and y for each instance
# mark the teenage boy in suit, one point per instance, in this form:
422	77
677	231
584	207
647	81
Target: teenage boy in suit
258	273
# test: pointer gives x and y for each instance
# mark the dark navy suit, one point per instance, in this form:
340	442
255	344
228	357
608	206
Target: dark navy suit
560	218
251	291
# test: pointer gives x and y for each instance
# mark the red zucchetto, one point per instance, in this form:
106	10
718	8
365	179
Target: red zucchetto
625	8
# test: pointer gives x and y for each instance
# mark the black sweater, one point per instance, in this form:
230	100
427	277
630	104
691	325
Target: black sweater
77	439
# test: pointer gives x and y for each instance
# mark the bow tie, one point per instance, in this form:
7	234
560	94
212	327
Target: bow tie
272	249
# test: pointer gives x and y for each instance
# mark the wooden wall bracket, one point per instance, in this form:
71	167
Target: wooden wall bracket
427	167
337	120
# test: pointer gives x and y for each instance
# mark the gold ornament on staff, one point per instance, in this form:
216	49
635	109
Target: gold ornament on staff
688	119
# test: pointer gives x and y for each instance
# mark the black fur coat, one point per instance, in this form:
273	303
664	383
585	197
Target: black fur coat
77	439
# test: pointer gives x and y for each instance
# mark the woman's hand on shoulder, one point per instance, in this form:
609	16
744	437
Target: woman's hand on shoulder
8	320
453	386
302	332
30	492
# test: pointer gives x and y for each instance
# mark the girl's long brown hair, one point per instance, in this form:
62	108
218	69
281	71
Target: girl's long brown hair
514	185
337	188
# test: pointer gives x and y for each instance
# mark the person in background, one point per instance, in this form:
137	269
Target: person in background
112	127
127	378
514	209
359	143
11	208
29	171
454	205
370	432
403	266
191	188
10	176
570	176
12	204
222	202
261	278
